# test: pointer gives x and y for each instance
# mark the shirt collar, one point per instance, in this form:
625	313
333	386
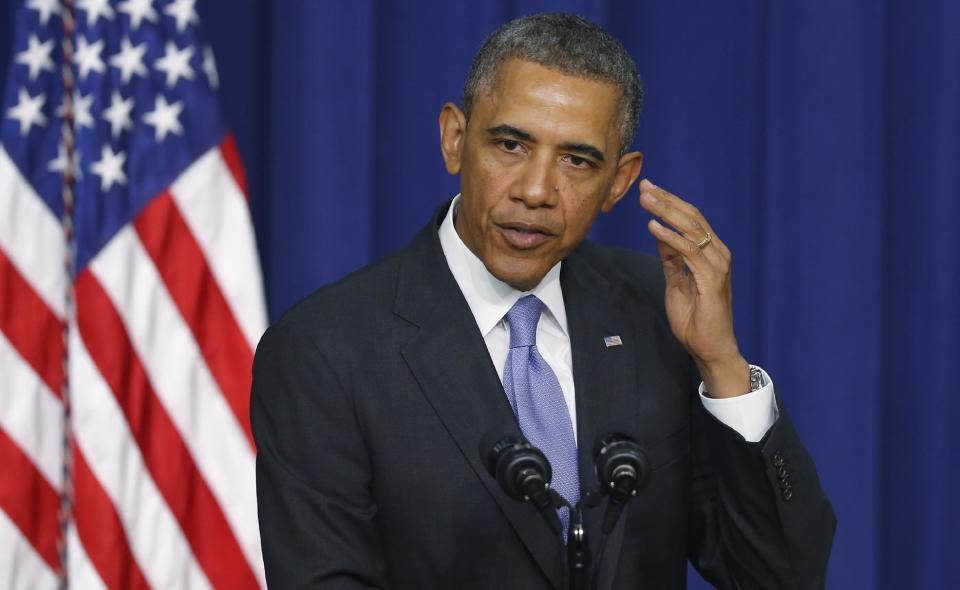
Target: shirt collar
490	298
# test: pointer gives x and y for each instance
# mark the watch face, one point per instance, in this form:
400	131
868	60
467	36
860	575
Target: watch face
756	378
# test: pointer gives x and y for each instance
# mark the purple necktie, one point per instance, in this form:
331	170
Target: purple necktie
537	400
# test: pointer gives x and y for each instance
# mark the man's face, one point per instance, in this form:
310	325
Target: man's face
537	161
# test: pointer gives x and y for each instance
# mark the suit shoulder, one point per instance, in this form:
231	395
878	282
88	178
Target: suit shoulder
362	298
635	270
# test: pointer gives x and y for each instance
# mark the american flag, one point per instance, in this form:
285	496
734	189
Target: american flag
130	305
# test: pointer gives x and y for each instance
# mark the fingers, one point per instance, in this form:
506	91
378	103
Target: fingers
678	235
687	253
674	210
686	219
672	260
696	257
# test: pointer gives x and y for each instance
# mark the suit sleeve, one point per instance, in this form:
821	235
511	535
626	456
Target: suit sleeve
760	518
315	504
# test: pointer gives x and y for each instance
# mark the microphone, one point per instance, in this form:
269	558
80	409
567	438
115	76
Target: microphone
622	469
523	472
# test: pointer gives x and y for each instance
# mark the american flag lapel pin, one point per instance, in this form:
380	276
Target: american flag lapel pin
609	341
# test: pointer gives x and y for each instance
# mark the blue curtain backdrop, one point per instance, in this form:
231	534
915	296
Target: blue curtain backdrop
821	138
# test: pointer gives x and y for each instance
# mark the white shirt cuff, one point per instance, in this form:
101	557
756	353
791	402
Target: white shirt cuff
751	414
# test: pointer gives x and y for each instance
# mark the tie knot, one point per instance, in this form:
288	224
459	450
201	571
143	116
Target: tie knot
524	317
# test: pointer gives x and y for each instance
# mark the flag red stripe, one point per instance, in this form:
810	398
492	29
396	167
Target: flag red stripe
164	452
101	531
184	270
231	155
30	326
29	500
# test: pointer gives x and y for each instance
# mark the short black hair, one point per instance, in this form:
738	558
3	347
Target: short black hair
569	44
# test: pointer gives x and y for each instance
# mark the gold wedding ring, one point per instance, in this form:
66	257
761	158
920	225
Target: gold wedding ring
705	241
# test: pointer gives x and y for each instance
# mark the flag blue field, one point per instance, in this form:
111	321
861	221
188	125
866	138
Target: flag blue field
130	305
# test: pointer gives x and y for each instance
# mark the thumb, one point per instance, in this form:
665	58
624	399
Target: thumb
673	264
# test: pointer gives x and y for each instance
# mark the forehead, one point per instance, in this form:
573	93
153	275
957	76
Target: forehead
552	105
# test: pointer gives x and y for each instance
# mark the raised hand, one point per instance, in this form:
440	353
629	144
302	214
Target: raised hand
699	294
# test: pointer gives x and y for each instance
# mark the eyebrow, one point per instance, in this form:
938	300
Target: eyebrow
510	130
577	147
584	148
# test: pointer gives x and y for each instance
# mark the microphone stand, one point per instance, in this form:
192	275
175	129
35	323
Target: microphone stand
578	550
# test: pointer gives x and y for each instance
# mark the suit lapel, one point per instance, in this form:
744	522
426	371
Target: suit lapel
605	376
613	388
466	394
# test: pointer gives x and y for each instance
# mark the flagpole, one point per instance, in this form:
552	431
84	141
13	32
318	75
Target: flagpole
65	514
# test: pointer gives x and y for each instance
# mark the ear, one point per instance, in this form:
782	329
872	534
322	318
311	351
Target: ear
628	169
453	131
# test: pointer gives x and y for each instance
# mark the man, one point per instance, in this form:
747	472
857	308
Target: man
371	396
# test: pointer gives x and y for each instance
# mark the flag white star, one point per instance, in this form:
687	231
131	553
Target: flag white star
118	114
88	57
45	8
110	168
210	67
81	109
36	56
29	110
130	60
164	118
139	11
95	9
182	11
175	63
59	164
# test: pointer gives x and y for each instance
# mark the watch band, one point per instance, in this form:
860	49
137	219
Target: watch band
757	380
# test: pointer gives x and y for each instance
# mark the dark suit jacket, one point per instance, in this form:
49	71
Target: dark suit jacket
370	398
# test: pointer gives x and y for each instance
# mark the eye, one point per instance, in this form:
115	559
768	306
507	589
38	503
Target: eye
511	145
578	162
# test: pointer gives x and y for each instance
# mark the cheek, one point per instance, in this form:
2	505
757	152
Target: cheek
490	182
580	212
582	206
495	174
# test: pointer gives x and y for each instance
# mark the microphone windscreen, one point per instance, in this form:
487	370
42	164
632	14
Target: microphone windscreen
494	442
611	436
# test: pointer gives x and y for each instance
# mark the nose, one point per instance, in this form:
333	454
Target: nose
537	182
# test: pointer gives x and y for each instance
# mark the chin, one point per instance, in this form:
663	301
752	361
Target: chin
520	277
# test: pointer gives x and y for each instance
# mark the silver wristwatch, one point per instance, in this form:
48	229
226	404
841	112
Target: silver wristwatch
757	380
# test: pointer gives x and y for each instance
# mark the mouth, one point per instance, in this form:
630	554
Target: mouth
524	236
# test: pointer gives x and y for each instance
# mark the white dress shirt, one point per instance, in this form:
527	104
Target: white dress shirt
490	299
